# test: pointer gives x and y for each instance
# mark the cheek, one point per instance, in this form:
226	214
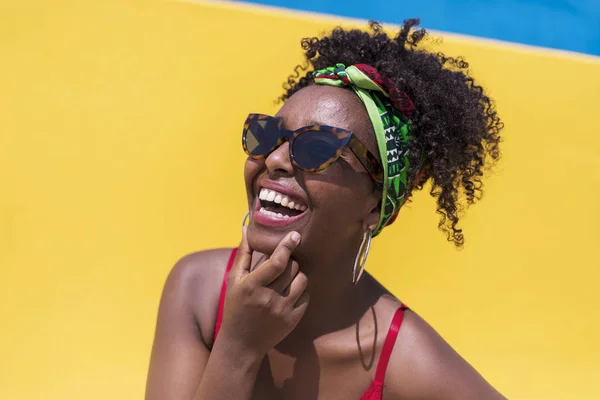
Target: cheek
251	169
339	190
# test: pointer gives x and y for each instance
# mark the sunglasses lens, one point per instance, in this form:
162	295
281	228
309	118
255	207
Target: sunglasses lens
312	149
261	137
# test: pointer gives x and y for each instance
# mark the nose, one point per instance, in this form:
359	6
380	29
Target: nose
278	163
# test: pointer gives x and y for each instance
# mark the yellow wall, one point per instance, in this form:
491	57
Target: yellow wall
120	121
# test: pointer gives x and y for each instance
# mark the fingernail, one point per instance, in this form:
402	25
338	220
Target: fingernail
295	237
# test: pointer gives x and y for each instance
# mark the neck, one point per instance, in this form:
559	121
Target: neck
336	302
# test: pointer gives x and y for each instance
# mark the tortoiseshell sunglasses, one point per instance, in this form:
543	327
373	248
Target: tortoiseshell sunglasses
312	148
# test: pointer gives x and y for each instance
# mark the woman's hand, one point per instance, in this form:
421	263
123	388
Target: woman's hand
264	305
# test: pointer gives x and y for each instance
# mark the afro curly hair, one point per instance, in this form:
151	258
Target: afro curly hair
455	125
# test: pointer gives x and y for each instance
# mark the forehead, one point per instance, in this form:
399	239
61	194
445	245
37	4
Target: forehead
332	106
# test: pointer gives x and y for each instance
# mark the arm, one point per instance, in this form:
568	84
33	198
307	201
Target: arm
180	361
424	367
261	308
230	372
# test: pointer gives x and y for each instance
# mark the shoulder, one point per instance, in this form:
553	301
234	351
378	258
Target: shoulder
423	365
199	267
194	285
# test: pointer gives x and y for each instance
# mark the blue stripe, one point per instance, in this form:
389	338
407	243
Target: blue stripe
568	24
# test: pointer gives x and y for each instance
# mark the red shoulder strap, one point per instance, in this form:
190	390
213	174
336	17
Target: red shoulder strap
388	345
222	296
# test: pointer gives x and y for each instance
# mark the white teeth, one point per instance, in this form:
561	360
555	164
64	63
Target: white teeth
278	198
272	214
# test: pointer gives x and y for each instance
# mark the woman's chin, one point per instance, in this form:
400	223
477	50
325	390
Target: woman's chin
264	241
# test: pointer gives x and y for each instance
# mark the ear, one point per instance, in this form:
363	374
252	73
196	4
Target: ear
372	218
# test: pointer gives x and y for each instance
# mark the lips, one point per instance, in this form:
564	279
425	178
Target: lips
278	207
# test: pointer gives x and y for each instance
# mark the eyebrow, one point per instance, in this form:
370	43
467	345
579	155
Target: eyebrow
310	122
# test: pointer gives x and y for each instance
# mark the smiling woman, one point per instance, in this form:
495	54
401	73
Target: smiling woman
371	120
120	151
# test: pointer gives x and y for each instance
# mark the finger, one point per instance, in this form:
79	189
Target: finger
297	288
299	308
282	283
301	304
270	270
243	258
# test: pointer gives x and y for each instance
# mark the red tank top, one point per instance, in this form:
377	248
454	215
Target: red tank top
375	390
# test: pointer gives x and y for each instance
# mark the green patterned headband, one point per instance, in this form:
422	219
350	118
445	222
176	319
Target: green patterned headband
389	111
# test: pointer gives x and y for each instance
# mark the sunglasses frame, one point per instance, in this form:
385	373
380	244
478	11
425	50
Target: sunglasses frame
364	156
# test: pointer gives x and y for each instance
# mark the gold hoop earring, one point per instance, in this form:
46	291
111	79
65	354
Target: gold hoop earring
361	257
245	218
